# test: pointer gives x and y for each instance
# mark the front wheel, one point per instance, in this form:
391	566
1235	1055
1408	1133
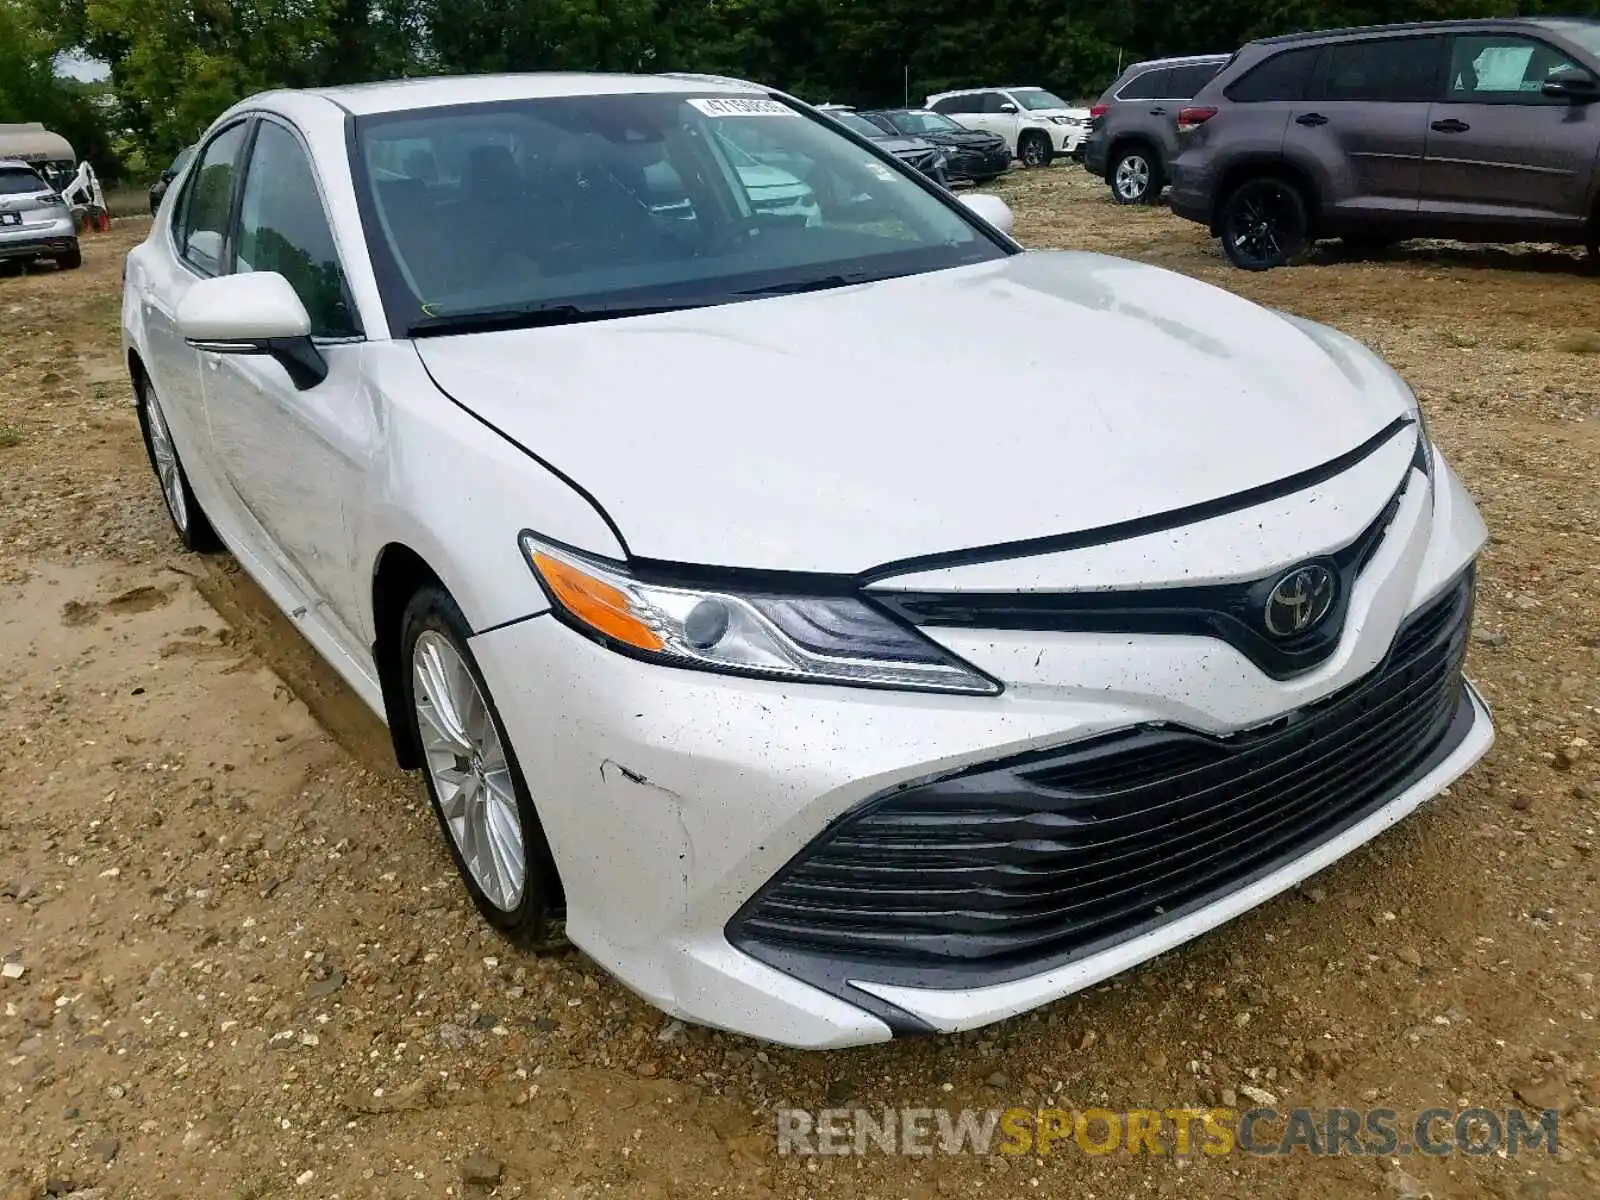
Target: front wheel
1264	224
1034	150
188	519
474	781
1136	178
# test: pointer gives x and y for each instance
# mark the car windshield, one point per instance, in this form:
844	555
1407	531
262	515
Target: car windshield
20	181
857	124
1584	33
923	122
1037	100
597	205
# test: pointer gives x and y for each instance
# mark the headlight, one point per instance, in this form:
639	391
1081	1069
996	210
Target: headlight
817	638
1066	120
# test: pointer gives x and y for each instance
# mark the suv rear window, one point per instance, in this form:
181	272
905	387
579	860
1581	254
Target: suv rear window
1152	85
19	181
1186	81
1286	75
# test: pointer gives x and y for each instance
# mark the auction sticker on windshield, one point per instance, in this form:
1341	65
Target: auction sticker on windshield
753	107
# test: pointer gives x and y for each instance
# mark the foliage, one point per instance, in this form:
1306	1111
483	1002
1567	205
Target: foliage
177	63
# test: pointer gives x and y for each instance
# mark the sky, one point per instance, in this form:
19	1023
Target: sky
78	66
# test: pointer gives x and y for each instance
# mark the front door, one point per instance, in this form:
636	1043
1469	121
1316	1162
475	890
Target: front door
297	460
1498	148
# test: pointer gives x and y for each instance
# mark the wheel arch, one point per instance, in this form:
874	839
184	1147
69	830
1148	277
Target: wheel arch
1265	166
398	574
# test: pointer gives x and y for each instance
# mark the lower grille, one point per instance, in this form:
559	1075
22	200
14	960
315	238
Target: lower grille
1010	869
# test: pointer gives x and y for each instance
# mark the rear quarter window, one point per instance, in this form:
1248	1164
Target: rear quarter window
1287	75
1152	85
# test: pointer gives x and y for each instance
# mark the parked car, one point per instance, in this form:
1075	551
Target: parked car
1483	131
158	189
814	714
914	151
969	154
1037	125
1133	127
35	222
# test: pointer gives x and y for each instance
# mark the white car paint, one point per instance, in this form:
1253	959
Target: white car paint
838	432
1067	127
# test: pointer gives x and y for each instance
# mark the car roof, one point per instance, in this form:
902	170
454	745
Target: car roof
399	95
1178	60
12	163
1423	27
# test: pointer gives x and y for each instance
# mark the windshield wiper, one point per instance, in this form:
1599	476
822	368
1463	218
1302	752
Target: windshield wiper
820	284
536	316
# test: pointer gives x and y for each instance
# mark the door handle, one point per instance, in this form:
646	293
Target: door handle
1311	119
1450	126
1158	112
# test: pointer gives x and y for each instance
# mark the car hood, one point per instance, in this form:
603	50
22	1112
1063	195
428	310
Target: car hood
971	137
904	145
835	431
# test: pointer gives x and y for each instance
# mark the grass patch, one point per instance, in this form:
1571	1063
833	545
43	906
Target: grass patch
1580	341
10	436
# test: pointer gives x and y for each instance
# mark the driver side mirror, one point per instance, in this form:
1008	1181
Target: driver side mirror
168	174
991	209
257	312
1008	107
1572	83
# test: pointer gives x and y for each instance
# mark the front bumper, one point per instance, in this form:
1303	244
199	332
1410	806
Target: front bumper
1069	139
963	163
38	239
673	798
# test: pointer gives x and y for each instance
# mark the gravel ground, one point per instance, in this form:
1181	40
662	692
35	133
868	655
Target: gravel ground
238	963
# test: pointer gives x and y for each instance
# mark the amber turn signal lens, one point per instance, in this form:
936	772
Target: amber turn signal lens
598	605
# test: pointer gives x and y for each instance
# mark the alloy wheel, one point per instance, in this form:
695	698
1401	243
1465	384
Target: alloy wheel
1264	225
1132	178
1033	152
166	460
470	771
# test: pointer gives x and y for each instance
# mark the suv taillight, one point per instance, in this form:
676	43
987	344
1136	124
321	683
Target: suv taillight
1194	116
1097	111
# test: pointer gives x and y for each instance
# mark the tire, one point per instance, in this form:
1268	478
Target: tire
70	261
1034	149
473	779
188	518
1264	224
1136	176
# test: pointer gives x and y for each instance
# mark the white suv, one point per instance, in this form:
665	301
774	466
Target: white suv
1037	125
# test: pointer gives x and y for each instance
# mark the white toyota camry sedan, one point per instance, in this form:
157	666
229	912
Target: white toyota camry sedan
770	596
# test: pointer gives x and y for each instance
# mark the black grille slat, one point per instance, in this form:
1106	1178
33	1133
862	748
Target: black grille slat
1024	862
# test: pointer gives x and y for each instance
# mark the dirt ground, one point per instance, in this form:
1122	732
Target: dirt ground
247	969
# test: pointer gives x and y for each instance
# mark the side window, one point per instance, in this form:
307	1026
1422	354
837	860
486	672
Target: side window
1399	69
993	102
282	228
1152	85
1285	76
950	104
1503	69
202	226
1186	82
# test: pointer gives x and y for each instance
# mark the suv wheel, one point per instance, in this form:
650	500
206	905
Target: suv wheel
71	260
1264	224
1136	177
1034	149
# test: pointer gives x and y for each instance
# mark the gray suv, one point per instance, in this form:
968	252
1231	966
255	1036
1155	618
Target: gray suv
1483	131
1134	126
35	221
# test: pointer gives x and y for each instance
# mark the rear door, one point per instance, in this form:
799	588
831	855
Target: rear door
1260	101
1498	148
1363	128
